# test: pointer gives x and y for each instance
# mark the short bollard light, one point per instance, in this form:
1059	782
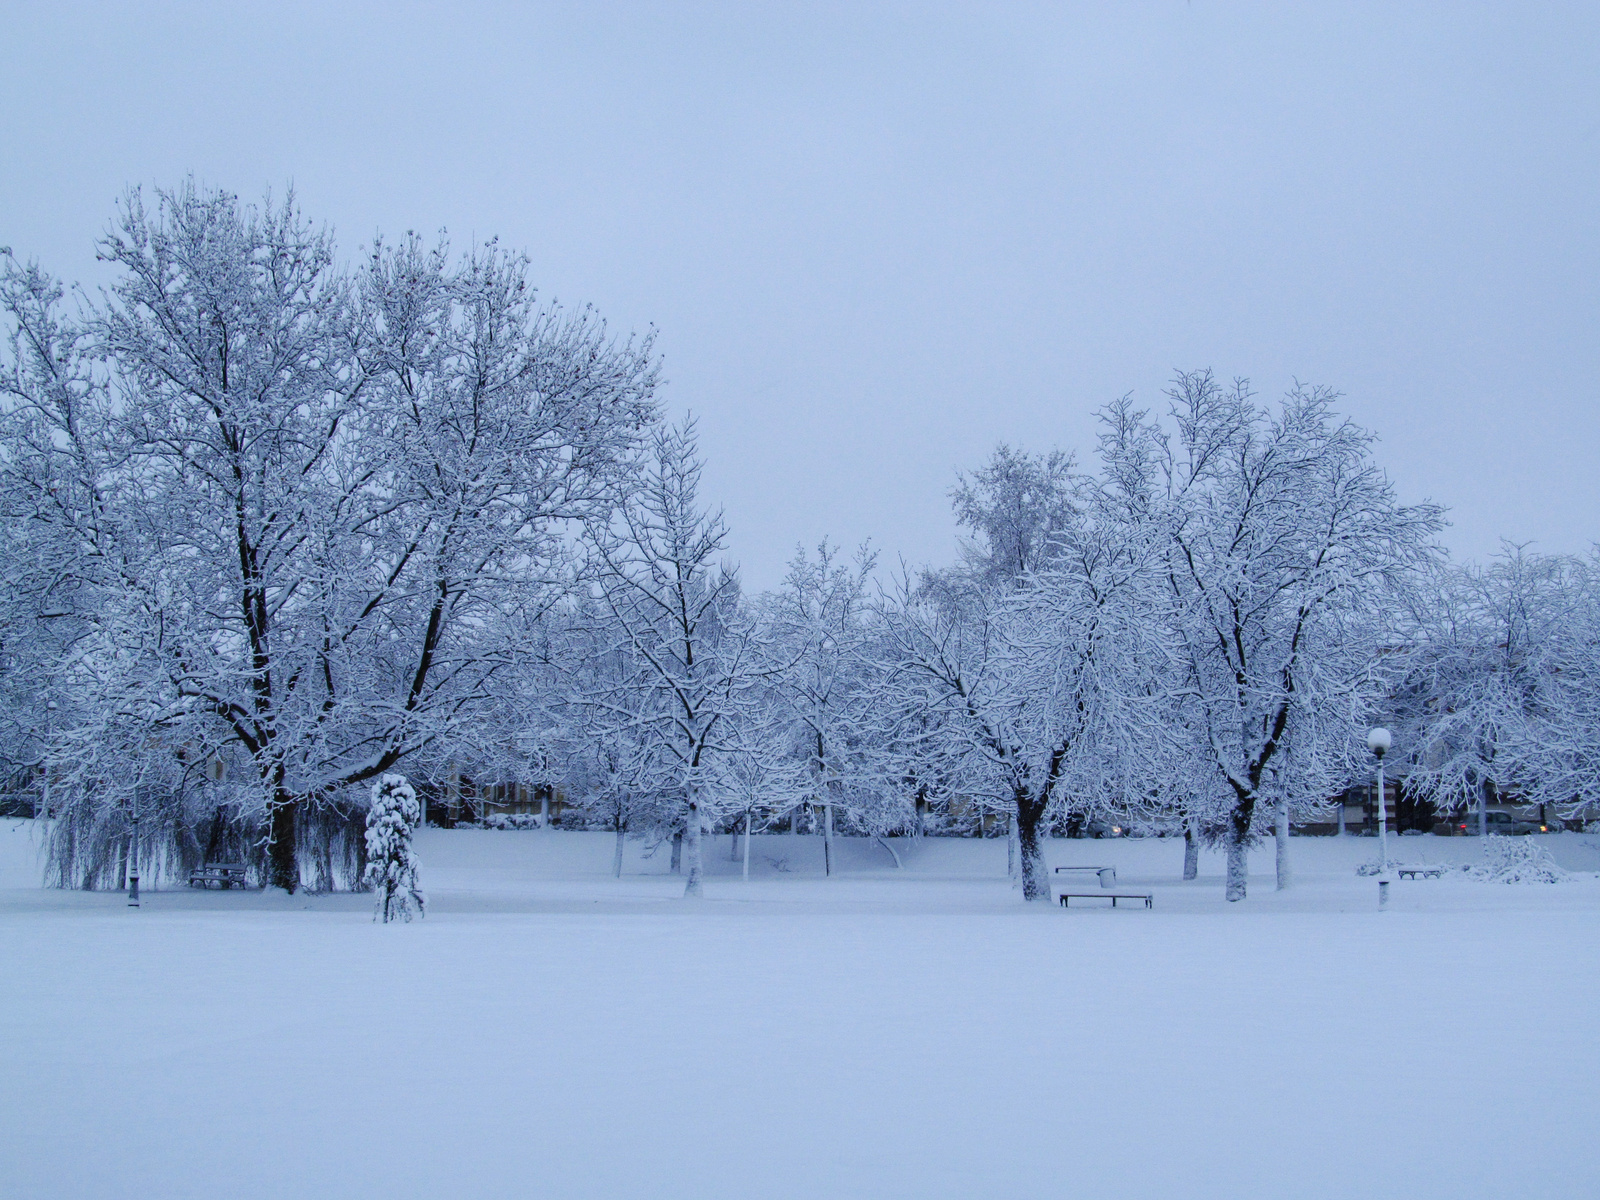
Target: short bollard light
1383	894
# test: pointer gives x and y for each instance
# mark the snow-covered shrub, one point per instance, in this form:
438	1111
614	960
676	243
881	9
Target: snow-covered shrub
391	863
1515	860
1370	868
512	821
577	818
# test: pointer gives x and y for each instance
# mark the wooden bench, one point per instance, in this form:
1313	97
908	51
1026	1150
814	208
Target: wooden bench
1425	872
224	875
1147	897
1098	871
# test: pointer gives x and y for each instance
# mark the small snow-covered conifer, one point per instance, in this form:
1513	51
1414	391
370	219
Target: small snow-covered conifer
391	864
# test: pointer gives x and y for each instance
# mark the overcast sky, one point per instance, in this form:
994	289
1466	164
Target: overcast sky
876	240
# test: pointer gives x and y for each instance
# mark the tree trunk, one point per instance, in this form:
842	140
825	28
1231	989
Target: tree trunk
1341	814
1191	850
283	859
1280	832
1238	864
677	853
827	839
1011	849
328	882
214	842
360	884
691	889
1035	875
1240	821
616	854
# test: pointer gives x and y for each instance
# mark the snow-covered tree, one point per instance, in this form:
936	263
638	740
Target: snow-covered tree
600	728
1280	537
762	781
1013	508
392	868
1558	749
821	673
1023	686
678	621
301	515
1475	683
1501	694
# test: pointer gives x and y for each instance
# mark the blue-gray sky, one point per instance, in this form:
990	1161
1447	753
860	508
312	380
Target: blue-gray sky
877	239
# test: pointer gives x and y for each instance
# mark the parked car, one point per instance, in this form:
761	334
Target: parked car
1103	829
1505	824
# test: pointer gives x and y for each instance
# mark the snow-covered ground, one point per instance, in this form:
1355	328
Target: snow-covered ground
896	1032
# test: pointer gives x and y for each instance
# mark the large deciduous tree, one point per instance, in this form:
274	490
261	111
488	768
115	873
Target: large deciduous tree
1499	698
1020	678
1284	547
308	506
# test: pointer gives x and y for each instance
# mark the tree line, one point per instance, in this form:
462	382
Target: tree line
274	527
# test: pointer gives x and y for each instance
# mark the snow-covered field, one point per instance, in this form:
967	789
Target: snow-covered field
896	1032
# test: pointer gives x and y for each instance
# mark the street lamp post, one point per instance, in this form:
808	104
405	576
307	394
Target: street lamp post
1379	741
527	743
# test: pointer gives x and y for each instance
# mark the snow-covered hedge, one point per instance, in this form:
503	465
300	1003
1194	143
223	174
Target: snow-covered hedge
511	821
